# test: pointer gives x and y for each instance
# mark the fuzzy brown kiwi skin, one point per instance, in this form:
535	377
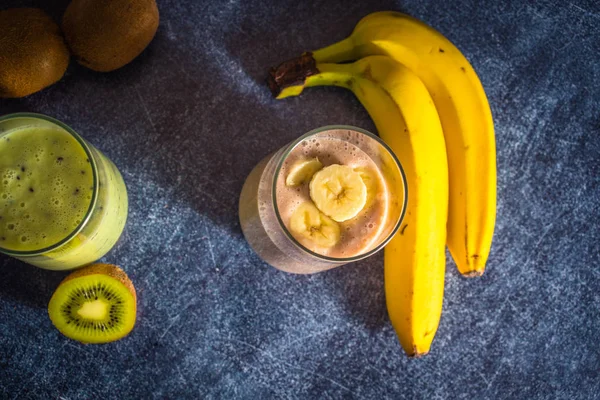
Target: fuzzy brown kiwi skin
106	35
33	53
105	269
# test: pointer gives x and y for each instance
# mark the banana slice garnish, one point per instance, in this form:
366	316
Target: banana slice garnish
370	182
339	192
309	223
302	171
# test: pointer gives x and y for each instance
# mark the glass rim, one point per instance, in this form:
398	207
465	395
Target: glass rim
284	156
93	201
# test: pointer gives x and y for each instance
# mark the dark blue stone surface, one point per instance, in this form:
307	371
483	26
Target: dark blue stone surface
187	121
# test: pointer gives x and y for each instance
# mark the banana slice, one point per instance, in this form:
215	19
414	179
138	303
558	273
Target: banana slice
339	192
310	223
302	171
370	182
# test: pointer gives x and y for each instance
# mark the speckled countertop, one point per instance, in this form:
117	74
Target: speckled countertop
187	121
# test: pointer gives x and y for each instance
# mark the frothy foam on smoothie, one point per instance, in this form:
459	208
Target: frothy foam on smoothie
46	187
358	234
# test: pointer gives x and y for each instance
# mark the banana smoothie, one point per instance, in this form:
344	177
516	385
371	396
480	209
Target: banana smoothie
334	196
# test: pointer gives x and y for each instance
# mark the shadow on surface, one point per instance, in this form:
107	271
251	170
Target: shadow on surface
199	117
359	288
55	8
27	284
254	43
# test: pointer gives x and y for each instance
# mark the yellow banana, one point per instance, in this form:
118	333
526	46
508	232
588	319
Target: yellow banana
407	121
465	115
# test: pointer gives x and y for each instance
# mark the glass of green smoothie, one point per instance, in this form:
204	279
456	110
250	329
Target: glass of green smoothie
63	204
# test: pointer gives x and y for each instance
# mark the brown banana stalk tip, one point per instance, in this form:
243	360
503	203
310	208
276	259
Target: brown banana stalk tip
291	73
416	354
473	274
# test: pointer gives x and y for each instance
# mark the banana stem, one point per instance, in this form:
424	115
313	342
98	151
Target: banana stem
292	76
344	50
340	75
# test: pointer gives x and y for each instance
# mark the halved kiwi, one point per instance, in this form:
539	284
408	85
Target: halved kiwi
96	304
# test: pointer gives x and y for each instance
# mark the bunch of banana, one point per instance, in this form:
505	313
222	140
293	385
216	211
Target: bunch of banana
429	106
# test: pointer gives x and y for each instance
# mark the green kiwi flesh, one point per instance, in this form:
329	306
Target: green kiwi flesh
33	53
96	304
106	35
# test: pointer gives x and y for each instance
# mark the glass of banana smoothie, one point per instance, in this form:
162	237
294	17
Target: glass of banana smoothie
63	204
335	195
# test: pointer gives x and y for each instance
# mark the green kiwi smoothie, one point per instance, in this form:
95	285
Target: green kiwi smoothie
62	203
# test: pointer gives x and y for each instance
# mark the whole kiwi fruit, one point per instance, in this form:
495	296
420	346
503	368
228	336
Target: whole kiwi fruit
105	35
33	53
96	304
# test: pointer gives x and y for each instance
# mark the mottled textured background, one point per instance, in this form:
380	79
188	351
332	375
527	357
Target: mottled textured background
187	121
